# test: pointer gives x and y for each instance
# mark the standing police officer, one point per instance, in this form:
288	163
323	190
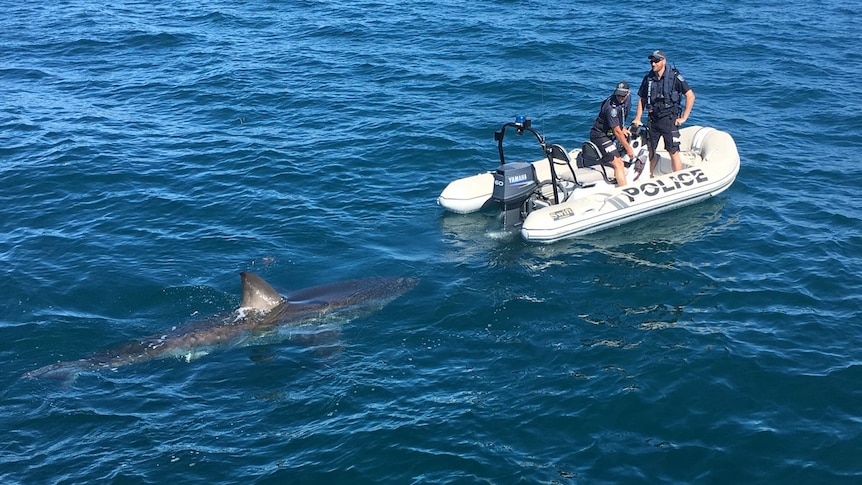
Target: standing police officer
610	124
661	95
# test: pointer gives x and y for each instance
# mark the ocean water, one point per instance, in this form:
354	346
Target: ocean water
149	152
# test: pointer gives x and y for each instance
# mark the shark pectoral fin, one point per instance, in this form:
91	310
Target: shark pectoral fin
193	355
257	294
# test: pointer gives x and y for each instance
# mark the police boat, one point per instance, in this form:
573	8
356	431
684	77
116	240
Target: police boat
571	193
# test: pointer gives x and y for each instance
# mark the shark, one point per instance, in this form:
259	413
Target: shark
264	317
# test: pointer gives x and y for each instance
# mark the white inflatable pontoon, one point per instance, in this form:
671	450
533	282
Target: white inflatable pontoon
569	193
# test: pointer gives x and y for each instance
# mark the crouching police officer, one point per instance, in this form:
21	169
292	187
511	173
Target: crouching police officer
610	125
661	93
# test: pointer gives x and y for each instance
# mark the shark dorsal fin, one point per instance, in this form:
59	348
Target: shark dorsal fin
257	294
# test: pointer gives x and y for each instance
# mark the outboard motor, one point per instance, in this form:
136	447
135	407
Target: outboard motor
514	183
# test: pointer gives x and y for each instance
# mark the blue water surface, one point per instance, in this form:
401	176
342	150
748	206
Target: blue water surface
149	152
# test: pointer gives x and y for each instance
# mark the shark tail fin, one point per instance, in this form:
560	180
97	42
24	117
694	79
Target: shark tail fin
257	294
65	372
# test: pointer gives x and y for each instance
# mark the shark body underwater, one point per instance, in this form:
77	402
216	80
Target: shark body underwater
264	316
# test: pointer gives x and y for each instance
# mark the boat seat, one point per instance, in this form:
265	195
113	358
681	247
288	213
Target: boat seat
584	175
590	157
568	171
590	176
559	154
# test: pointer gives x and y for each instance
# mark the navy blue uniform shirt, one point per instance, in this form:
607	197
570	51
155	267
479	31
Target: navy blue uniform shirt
611	114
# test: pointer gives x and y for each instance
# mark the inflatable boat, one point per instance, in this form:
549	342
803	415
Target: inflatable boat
571	193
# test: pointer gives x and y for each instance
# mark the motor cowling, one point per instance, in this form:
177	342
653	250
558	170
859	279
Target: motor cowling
514	183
